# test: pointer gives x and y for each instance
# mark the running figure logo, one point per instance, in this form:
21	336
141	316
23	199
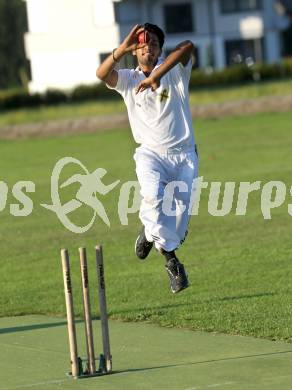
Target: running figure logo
90	185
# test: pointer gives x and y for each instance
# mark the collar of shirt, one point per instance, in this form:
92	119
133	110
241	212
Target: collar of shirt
159	62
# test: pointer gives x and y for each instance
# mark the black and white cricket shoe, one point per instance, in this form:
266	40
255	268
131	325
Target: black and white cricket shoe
142	246
177	275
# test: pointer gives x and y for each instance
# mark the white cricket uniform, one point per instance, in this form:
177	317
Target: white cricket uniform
161	122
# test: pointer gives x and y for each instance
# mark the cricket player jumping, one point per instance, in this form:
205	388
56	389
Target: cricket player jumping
157	100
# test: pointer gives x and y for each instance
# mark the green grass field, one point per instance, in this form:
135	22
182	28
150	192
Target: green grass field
201	96
239	267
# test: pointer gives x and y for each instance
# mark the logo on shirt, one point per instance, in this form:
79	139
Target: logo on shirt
163	96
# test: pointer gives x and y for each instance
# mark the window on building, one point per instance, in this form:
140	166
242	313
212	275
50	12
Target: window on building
127	61
287	42
244	51
178	18
127	13
103	56
229	6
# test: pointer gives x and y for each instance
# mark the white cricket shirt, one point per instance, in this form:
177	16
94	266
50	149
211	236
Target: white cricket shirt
159	120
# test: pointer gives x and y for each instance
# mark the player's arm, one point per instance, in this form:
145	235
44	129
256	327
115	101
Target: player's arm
106	71
182	53
188	49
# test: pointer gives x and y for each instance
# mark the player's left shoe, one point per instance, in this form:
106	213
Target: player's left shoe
177	275
142	245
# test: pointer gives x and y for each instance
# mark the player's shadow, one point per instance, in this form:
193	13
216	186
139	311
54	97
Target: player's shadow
244	296
197	302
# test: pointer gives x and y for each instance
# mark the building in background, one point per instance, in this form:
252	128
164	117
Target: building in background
285	8
67	39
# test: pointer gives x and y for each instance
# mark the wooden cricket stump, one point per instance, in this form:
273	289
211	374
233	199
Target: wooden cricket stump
80	367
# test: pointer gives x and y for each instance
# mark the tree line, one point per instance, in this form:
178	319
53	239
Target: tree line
14	68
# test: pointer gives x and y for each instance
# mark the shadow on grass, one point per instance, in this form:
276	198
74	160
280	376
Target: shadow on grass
202	362
24	328
245	296
198	302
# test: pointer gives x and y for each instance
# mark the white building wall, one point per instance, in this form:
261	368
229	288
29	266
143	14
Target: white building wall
65	38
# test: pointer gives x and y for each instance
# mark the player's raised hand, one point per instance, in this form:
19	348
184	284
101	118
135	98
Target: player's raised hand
131	42
150	82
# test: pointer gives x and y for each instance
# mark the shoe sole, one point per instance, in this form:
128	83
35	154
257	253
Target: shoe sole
181	289
135	249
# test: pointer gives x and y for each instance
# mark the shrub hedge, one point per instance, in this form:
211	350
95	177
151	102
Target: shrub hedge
232	75
241	73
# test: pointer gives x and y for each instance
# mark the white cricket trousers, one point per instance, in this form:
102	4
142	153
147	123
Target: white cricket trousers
166	184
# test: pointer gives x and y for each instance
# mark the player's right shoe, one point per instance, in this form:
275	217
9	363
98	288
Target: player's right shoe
142	245
177	275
